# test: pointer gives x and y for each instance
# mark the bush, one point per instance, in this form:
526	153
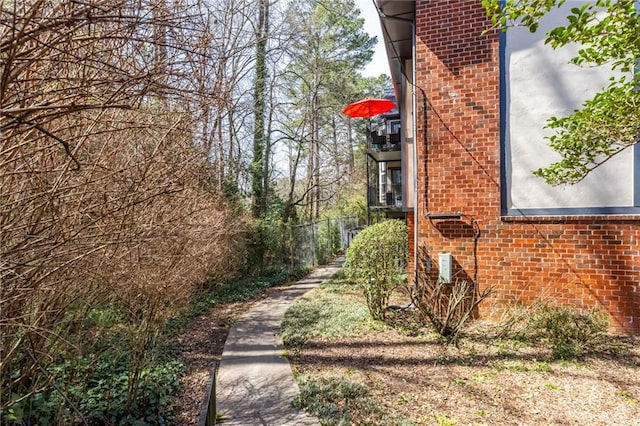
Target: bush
376	260
569	332
448	306
93	390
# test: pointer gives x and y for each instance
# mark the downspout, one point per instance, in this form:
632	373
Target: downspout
369	142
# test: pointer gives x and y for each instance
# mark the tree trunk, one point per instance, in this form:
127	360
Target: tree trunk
257	168
267	148
350	146
315	163
160	62
336	148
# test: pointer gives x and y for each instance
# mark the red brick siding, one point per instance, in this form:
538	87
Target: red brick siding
577	261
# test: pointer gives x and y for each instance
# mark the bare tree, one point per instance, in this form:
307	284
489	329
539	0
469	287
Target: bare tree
105	194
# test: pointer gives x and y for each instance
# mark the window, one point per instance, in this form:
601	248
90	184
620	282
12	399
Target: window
394	127
528	99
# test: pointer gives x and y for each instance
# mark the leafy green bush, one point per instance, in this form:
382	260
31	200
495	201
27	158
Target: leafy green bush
327	240
569	332
278	245
95	390
376	260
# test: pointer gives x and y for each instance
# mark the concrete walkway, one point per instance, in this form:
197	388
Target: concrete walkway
255	385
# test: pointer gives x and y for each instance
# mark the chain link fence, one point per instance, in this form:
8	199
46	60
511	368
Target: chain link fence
308	244
292	247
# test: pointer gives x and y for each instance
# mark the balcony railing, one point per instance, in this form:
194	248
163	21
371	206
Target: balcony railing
390	142
384	147
391	198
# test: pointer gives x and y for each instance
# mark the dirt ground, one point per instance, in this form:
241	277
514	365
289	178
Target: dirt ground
201	346
484	381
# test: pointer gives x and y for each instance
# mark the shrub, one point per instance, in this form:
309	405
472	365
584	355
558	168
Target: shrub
111	200
569	332
376	260
448	306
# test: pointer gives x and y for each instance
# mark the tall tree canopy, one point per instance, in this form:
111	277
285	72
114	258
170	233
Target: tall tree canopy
132	133
609	34
329	46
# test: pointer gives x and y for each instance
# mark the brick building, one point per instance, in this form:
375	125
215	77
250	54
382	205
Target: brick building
472	105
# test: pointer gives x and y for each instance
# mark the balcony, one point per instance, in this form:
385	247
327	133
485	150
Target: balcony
389	199
384	147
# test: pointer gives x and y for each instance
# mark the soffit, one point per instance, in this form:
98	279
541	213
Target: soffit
397	19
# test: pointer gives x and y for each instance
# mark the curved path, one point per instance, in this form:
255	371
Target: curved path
255	384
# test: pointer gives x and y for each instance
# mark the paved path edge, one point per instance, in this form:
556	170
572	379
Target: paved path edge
255	383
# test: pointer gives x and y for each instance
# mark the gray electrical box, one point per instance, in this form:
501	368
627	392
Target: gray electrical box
444	266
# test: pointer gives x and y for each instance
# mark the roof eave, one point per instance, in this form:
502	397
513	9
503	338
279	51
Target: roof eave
396	20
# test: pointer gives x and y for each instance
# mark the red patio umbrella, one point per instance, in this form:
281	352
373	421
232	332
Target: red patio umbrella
368	108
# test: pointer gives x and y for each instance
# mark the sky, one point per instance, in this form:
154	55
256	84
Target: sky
379	64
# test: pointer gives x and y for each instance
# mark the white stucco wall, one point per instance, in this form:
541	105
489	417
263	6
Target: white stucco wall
542	83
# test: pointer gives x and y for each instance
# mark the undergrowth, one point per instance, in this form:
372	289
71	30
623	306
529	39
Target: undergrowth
327	312
95	389
569	332
217	293
92	385
336	401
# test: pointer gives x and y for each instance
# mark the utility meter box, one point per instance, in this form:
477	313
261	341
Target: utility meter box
444	267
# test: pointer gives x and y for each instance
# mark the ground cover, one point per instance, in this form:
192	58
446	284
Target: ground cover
353	370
